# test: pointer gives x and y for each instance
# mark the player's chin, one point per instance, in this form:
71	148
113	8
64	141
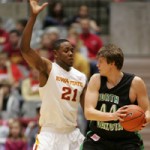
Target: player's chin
70	63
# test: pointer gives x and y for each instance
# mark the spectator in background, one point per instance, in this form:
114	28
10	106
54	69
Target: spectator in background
33	128
13	50
9	71
92	42
10	78
30	94
74	32
5	68
4	131
4	96
30	86
4	36
49	36
55	15
8	98
80	62
20	25
83	12
16	139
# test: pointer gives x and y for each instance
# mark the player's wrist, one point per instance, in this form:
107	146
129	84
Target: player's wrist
33	15
111	116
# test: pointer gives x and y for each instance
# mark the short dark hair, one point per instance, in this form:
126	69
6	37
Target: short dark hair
112	53
15	31
57	44
23	22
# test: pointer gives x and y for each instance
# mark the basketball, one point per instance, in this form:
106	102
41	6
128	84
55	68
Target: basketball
134	119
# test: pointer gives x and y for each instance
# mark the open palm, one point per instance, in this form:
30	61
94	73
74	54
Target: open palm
35	7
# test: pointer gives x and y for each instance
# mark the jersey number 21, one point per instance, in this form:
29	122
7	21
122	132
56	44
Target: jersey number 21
67	92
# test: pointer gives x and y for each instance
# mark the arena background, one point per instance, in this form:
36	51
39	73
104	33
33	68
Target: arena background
124	22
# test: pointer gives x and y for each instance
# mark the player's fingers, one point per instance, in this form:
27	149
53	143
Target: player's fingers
122	111
122	115
123	107
144	124
120	119
43	6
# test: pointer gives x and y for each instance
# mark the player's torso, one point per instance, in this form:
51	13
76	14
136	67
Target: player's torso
61	94
109	101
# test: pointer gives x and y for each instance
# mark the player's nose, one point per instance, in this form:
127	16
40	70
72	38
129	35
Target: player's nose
70	53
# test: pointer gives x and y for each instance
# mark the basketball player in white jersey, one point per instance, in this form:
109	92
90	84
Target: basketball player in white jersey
61	89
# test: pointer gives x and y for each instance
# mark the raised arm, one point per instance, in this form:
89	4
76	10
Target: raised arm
32	58
91	99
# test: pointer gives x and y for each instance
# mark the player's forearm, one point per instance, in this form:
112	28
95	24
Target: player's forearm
27	34
93	114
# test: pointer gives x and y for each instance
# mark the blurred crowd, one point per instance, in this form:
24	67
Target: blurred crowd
19	97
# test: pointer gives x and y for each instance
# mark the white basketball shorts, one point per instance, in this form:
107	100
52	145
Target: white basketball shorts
59	141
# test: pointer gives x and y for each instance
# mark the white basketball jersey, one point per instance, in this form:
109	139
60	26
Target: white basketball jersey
60	98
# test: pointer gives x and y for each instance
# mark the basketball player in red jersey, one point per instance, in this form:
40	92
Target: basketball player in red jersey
108	95
62	87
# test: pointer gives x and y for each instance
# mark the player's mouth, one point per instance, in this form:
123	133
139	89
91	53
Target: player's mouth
70	59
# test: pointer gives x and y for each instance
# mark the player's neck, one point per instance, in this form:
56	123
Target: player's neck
114	79
63	65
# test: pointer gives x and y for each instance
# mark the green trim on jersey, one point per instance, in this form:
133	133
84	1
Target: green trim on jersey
88	132
139	135
81	147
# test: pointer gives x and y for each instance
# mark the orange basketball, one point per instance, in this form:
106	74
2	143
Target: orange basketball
134	119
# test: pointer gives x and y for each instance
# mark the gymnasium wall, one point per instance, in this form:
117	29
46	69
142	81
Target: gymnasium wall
130	27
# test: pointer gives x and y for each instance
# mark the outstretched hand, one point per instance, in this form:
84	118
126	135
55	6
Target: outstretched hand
35	7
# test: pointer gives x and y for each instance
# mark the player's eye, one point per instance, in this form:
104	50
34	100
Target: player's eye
72	49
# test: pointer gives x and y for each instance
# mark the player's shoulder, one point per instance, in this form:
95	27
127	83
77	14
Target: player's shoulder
137	81
78	75
75	71
94	82
95	78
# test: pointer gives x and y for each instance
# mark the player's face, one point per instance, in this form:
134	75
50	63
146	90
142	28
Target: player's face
65	55
103	67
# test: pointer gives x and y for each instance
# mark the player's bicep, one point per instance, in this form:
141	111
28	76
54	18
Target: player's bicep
141	92
34	60
92	93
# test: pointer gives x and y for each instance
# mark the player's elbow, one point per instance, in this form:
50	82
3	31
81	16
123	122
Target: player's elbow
24	47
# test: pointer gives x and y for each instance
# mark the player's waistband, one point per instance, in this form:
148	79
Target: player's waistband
56	130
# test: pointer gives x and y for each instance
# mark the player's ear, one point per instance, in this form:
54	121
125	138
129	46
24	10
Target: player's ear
112	63
55	53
